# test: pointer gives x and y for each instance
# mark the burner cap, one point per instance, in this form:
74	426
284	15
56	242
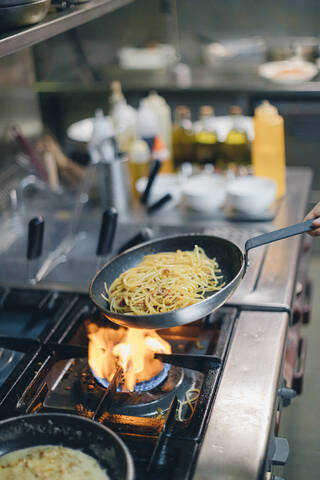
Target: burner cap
141	386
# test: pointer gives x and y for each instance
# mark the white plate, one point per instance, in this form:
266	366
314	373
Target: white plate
82	131
288	72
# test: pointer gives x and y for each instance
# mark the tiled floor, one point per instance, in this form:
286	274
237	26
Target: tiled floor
300	423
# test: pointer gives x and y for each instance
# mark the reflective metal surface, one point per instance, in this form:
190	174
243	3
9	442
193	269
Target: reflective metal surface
236	441
24	14
57	23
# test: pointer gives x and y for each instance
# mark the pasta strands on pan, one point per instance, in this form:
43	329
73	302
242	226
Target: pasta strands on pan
164	282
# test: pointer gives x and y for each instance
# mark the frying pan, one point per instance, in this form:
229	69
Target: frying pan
231	259
69	431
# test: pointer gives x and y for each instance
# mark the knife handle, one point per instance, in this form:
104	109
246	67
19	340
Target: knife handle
35	238
107	232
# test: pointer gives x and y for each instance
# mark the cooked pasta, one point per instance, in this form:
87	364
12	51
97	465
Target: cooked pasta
164	282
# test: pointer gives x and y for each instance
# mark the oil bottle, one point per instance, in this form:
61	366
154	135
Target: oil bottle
268	150
236	146
182	137
205	137
139	163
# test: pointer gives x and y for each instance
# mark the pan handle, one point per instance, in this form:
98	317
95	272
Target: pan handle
276	235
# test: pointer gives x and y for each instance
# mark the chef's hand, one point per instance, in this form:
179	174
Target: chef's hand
315	213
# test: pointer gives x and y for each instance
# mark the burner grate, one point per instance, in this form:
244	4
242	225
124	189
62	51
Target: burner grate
162	443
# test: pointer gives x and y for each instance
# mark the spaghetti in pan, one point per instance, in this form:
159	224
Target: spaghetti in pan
164	282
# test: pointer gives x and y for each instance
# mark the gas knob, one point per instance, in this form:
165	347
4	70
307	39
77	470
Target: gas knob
281	451
287	394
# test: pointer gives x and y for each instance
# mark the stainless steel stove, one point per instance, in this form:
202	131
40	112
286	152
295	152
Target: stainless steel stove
158	424
229	431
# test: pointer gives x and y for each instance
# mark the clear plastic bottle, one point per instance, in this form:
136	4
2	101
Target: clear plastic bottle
205	137
163	113
124	117
182	137
268	149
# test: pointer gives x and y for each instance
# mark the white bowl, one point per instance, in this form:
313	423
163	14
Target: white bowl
288	72
205	193
251	194
163	184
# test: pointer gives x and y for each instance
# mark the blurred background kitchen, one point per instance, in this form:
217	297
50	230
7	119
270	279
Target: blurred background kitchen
178	82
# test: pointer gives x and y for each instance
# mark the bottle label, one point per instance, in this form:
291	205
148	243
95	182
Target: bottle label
206	137
236	138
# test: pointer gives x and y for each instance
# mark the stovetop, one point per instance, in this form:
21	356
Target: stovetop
162	427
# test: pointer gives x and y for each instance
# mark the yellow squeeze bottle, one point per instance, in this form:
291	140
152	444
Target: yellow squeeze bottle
268	149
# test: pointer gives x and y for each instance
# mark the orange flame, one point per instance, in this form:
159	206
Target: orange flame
132	349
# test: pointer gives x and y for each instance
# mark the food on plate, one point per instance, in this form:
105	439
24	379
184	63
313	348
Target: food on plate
49	462
163	282
289	71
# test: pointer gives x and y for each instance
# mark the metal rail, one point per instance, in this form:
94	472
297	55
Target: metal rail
56	23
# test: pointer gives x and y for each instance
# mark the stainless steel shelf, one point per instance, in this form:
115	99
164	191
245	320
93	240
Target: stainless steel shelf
55	23
202	78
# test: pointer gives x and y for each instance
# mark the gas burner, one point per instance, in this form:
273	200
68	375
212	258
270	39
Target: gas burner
141	386
139	403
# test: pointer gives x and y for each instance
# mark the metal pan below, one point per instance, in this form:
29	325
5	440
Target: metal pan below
23	14
69	431
15	3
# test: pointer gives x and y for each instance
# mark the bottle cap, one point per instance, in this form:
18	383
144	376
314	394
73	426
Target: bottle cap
206	110
154	99
266	109
160	150
235	110
182	111
116	91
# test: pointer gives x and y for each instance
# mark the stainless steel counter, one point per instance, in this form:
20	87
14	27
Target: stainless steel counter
238	437
236	442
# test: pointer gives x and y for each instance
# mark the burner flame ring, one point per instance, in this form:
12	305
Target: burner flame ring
140	386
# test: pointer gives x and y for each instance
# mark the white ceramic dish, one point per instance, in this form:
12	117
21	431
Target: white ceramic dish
251	194
288	72
82	131
163	184
152	58
205	193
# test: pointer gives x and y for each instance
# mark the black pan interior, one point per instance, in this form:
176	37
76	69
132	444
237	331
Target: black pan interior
228	255
69	431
